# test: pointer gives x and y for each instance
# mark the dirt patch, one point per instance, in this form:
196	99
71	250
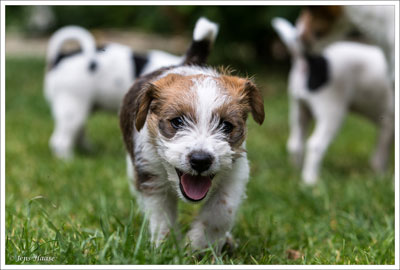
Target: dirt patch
18	44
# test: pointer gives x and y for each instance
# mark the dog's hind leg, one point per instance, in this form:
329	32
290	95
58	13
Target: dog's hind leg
385	140
328	121
70	116
299	119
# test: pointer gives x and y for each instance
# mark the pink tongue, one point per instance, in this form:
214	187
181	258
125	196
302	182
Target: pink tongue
195	187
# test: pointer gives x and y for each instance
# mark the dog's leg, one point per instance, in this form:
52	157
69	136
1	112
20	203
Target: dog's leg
386	137
328	121
299	119
215	220
70	116
160	209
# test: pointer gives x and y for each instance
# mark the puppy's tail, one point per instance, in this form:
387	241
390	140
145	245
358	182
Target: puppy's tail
77	33
288	34
204	34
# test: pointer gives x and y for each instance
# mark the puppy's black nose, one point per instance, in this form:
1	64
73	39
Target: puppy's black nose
200	161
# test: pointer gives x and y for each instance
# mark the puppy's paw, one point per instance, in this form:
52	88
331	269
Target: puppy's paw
230	245
160	237
196	237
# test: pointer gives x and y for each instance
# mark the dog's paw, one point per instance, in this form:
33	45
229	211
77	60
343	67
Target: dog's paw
378	164
296	153
309	177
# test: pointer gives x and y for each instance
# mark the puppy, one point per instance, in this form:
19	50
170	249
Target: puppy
184	128
79	82
346	76
320	25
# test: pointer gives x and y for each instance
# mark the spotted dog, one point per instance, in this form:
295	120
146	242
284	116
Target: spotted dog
346	76
82	81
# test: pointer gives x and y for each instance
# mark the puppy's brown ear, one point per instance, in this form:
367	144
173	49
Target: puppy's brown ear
256	101
146	96
248	95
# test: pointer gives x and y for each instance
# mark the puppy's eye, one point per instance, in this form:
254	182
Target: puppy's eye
177	123
226	127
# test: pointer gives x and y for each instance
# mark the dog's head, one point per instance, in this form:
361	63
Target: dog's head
319	26
197	123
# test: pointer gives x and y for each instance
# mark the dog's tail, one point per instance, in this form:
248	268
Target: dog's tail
288	34
77	33
204	34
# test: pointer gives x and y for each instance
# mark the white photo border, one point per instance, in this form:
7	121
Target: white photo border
156	3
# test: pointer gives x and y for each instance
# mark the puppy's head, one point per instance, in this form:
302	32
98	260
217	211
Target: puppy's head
198	126
320	25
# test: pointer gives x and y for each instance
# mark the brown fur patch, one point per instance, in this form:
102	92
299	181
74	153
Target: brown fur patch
246	98
318	21
142	178
130	107
174	100
149	93
247	94
234	114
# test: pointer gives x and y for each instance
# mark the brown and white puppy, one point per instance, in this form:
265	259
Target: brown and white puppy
321	25
184	128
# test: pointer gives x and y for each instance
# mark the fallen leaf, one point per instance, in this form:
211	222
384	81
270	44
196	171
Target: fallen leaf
293	254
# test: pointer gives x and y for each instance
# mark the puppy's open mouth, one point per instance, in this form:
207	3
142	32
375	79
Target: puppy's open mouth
194	187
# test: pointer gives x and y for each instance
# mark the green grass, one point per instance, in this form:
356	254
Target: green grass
81	212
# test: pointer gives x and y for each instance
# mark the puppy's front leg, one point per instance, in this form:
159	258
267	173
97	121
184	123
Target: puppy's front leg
160	208
216	218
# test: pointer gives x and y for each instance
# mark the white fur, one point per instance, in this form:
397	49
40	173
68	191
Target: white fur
377	23
358	81
190	71
72	32
205	30
72	90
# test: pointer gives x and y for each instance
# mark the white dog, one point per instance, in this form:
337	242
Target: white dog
320	25
184	128
347	76
79	82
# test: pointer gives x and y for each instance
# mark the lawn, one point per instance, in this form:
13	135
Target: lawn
81	212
